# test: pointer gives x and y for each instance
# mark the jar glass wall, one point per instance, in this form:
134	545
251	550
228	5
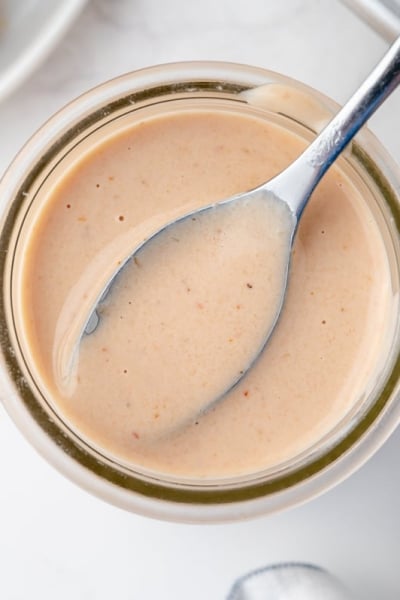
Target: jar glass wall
86	121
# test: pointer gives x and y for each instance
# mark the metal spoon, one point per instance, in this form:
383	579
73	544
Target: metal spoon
292	187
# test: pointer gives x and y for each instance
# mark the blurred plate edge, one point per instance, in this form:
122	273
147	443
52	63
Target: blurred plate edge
30	55
382	15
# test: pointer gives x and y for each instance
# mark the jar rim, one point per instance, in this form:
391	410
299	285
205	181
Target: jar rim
155	498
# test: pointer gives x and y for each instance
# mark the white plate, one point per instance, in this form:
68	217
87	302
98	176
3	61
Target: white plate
381	15
29	29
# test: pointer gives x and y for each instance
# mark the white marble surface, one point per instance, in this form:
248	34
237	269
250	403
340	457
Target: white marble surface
56	541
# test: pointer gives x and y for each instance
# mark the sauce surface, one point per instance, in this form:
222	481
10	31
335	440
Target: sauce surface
188	314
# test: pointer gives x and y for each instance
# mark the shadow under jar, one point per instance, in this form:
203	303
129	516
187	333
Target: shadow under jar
121	161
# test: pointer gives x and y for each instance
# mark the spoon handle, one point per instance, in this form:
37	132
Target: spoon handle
297	182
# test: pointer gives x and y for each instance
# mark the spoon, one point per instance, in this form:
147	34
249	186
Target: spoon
291	189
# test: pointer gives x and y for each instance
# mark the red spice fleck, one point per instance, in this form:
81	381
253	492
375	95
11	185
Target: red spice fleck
68	206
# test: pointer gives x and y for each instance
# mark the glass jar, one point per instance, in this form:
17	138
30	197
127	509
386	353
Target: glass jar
80	124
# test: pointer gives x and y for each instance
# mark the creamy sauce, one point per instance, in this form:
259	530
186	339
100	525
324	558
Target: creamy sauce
191	311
